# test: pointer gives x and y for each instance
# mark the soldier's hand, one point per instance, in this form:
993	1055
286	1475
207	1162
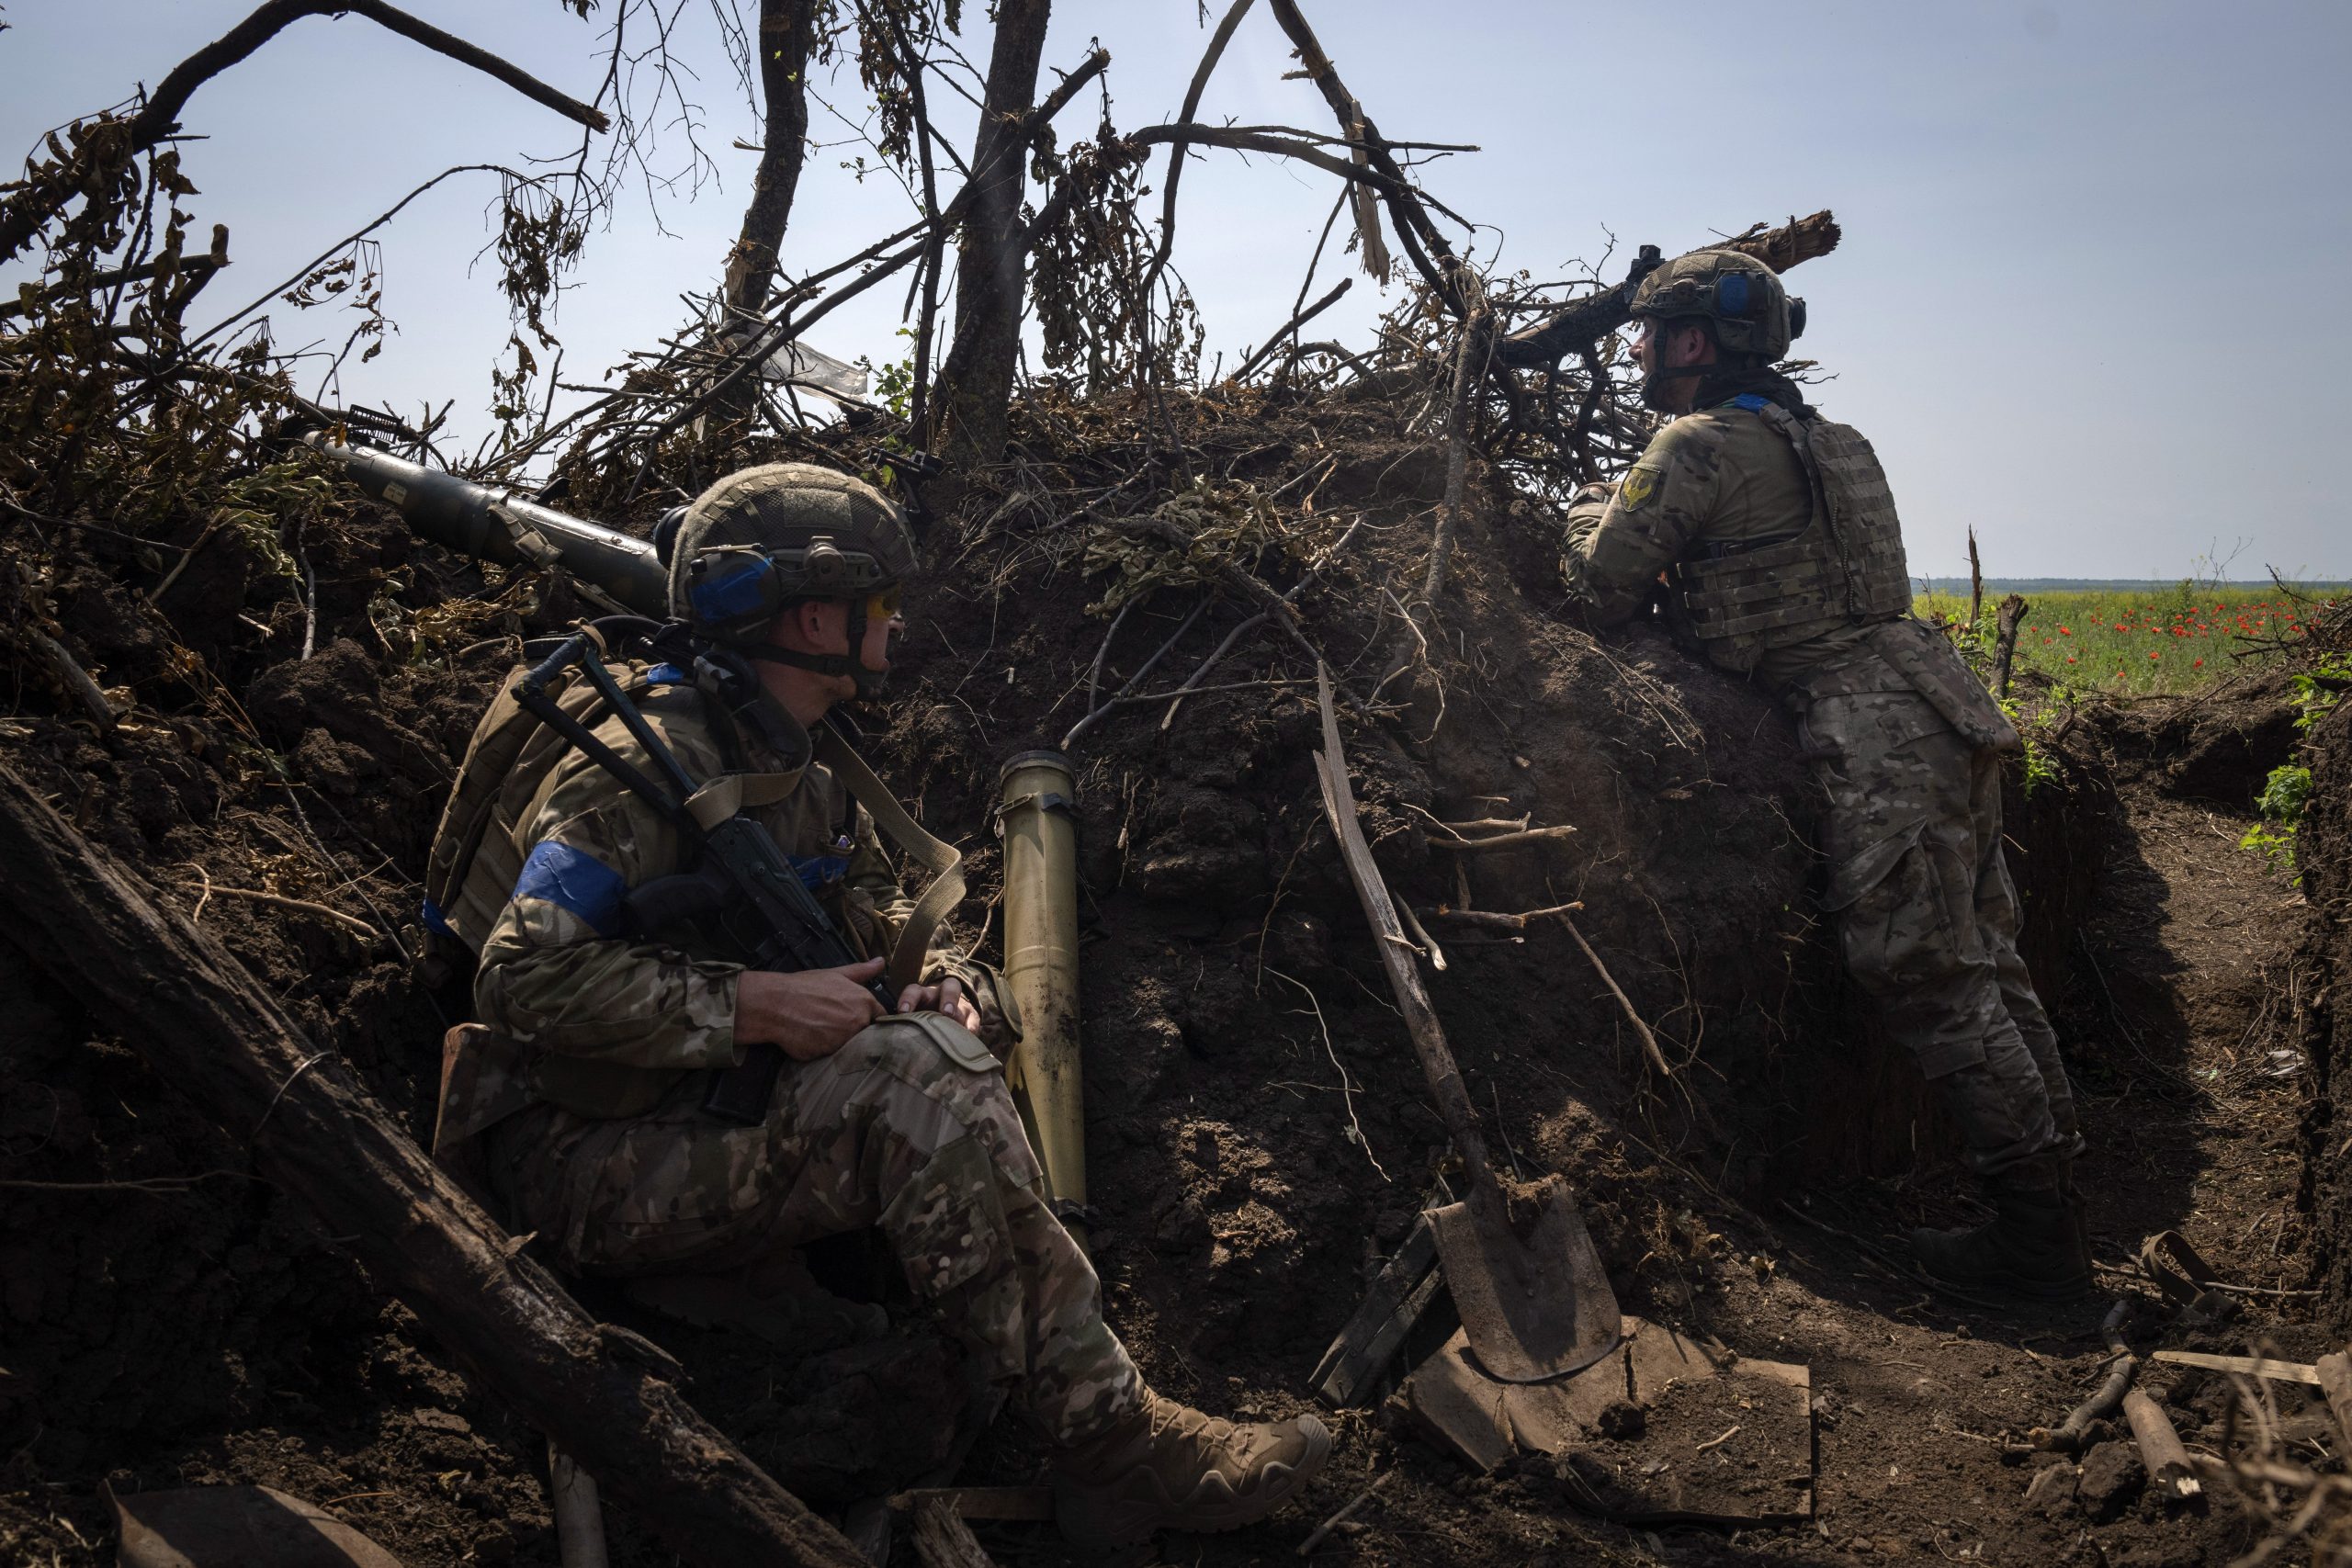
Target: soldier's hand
808	1014
947	996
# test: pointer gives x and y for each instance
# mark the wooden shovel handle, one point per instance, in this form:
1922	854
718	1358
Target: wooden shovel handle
1396	953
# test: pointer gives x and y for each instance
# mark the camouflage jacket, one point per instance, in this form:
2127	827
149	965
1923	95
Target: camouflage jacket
1720	475
563	976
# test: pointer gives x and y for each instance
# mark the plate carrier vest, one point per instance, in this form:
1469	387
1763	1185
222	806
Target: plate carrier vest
1846	567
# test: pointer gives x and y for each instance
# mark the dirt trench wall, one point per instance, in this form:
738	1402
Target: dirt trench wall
1258	1126
2323	855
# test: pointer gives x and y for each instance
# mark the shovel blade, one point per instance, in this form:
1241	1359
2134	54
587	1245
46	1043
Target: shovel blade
1535	1300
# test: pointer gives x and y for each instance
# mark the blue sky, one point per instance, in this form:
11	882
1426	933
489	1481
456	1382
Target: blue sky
2089	300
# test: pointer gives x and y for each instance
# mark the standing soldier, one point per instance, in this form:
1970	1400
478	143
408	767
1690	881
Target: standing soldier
587	1106
1774	536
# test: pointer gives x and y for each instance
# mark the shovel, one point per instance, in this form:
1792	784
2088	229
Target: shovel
1534	1300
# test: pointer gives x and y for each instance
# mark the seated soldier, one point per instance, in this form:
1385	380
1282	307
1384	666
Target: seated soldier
583	1105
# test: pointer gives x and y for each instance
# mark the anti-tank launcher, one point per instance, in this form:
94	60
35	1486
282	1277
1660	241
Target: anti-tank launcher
499	525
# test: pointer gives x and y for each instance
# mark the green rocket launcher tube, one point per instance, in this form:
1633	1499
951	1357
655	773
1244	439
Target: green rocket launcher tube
1040	832
498	525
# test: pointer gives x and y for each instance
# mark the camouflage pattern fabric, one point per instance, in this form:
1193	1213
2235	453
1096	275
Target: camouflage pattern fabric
1929	919
908	1127
1717	477
1927	915
585	1115
562	979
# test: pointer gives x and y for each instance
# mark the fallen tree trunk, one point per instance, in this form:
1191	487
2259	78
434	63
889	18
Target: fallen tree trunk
196	1017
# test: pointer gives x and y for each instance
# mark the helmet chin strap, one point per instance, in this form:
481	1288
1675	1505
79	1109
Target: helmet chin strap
1654	385
863	681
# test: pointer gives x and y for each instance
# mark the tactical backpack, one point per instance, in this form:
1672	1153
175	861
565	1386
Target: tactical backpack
508	766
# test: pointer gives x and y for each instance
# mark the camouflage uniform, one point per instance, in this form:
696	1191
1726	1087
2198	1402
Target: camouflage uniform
1927	915
590	1121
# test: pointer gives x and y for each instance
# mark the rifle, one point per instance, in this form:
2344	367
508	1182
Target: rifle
742	885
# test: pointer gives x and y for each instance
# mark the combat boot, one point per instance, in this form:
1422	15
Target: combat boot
2034	1246
1165	1466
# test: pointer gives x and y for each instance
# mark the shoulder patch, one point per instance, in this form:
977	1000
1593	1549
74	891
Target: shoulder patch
1639	486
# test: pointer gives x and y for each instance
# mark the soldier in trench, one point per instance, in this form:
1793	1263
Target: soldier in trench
1766	539
583	1104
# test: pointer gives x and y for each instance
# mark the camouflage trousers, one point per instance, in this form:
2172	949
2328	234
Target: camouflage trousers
1928	920
908	1128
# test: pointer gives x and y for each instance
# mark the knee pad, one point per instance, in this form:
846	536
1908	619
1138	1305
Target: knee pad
913	1045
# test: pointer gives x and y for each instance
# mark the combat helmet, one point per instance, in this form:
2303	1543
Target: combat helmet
764	538
1753	318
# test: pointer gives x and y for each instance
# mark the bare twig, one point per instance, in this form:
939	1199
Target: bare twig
1094	675
139	1184
1469	371
1322	1532
1083	724
1201	73
1650	1041
1496	919
1290	327
350	922
1429	942
1501	840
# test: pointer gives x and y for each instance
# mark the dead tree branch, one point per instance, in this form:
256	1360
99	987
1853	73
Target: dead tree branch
1290	328
1424	246
788	38
1469	371
110	146
1201	73
2011	618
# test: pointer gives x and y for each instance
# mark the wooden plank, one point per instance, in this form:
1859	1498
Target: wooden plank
1350	1370
2246	1366
2335	1380
943	1540
1461	1408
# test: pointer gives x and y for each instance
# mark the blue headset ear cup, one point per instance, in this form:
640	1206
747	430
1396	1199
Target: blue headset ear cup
1731	294
1796	318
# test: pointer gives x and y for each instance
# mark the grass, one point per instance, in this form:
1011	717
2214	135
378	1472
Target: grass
2141	640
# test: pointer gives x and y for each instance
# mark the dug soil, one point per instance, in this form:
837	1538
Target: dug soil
1259	1139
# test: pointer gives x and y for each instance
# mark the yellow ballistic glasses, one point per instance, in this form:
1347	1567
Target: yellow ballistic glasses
882	605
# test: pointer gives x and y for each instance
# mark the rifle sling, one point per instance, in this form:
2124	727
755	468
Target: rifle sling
944	862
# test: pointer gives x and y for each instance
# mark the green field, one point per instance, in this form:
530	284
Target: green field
2141	639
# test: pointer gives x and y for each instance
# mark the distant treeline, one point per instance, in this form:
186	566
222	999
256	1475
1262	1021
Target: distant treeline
1996	586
